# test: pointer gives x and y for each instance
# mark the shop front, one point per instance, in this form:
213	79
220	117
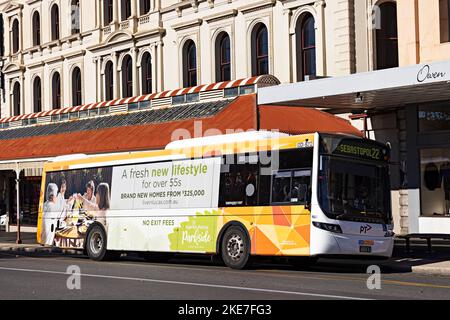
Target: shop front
20	182
409	109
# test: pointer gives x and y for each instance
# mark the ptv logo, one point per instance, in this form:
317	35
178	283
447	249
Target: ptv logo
365	229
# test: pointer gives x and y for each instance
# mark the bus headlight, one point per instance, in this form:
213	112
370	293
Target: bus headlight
328	227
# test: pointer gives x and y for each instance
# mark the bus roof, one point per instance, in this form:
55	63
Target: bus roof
194	148
225	139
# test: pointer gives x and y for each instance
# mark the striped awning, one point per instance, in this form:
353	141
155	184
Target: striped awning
262	81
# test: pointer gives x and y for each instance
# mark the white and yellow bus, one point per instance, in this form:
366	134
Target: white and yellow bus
233	196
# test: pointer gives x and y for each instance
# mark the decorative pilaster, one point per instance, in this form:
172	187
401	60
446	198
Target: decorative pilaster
160	71
116	75
155	72
134	53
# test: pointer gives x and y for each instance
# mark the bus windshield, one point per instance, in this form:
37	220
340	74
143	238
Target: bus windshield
354	190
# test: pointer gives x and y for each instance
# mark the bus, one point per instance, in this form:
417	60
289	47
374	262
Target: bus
233	197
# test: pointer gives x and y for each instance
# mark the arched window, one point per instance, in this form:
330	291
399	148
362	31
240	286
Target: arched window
144	7
189	64
260	50
36	29
108	11
127	77
109	81
15	36
16	99
76	87
56	91
125	8
75	16
387	37
55	22
146	66
223	57
306	47
37	95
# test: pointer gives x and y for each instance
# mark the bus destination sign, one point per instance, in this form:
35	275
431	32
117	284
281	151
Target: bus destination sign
362	149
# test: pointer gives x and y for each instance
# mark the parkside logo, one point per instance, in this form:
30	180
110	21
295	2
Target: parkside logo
196	235
425	73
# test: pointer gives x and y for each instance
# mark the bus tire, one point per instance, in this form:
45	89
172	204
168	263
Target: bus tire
96	245
235	248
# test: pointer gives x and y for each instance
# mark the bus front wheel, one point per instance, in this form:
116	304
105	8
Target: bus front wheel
235	248
96	245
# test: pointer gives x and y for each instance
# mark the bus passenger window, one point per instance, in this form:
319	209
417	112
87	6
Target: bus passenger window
301	186
238	185
291	187
281	187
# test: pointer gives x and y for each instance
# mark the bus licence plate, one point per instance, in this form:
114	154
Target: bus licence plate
365	249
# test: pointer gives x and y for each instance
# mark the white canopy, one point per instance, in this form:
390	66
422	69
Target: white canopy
377	89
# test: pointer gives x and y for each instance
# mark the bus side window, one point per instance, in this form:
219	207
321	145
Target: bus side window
293	187
239	183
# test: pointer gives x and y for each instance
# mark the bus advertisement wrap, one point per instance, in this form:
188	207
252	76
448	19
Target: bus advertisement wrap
164	204
145	194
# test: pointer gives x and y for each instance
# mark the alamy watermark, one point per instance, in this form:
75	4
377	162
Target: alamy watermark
375	17
251	150
374	280
74	280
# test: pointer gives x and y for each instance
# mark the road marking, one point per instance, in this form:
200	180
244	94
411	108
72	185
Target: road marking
357	279
309	275
192	284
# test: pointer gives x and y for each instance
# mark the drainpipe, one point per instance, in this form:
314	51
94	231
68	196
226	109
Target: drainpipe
19	240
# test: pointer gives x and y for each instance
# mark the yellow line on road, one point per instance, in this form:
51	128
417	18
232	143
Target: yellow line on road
361	279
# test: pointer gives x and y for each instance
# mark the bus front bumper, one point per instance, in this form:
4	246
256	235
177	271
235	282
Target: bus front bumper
324	243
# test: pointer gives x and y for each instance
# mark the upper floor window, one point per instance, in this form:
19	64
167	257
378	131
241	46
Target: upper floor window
108	11
387	37
306	44
127	77
109	81
189	64
15	36
444	18
260	50
2	45
37	95
76	87
144	7
16	99
75	16
223	57
36	29
125	9
55	22
56	91
146	66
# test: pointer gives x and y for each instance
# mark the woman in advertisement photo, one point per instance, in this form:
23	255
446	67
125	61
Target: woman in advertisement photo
67	219
98	210
52	210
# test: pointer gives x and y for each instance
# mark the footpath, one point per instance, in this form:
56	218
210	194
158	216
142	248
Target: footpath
417	261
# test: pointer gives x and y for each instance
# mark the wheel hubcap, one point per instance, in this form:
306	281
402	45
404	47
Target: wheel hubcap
96	243
235	247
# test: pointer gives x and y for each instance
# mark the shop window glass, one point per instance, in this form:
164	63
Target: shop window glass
444	13
434	117
435	185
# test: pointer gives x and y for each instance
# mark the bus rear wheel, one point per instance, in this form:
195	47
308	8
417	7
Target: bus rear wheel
235	248
96	245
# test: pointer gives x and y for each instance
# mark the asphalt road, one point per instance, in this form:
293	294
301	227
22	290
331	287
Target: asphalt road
45	277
